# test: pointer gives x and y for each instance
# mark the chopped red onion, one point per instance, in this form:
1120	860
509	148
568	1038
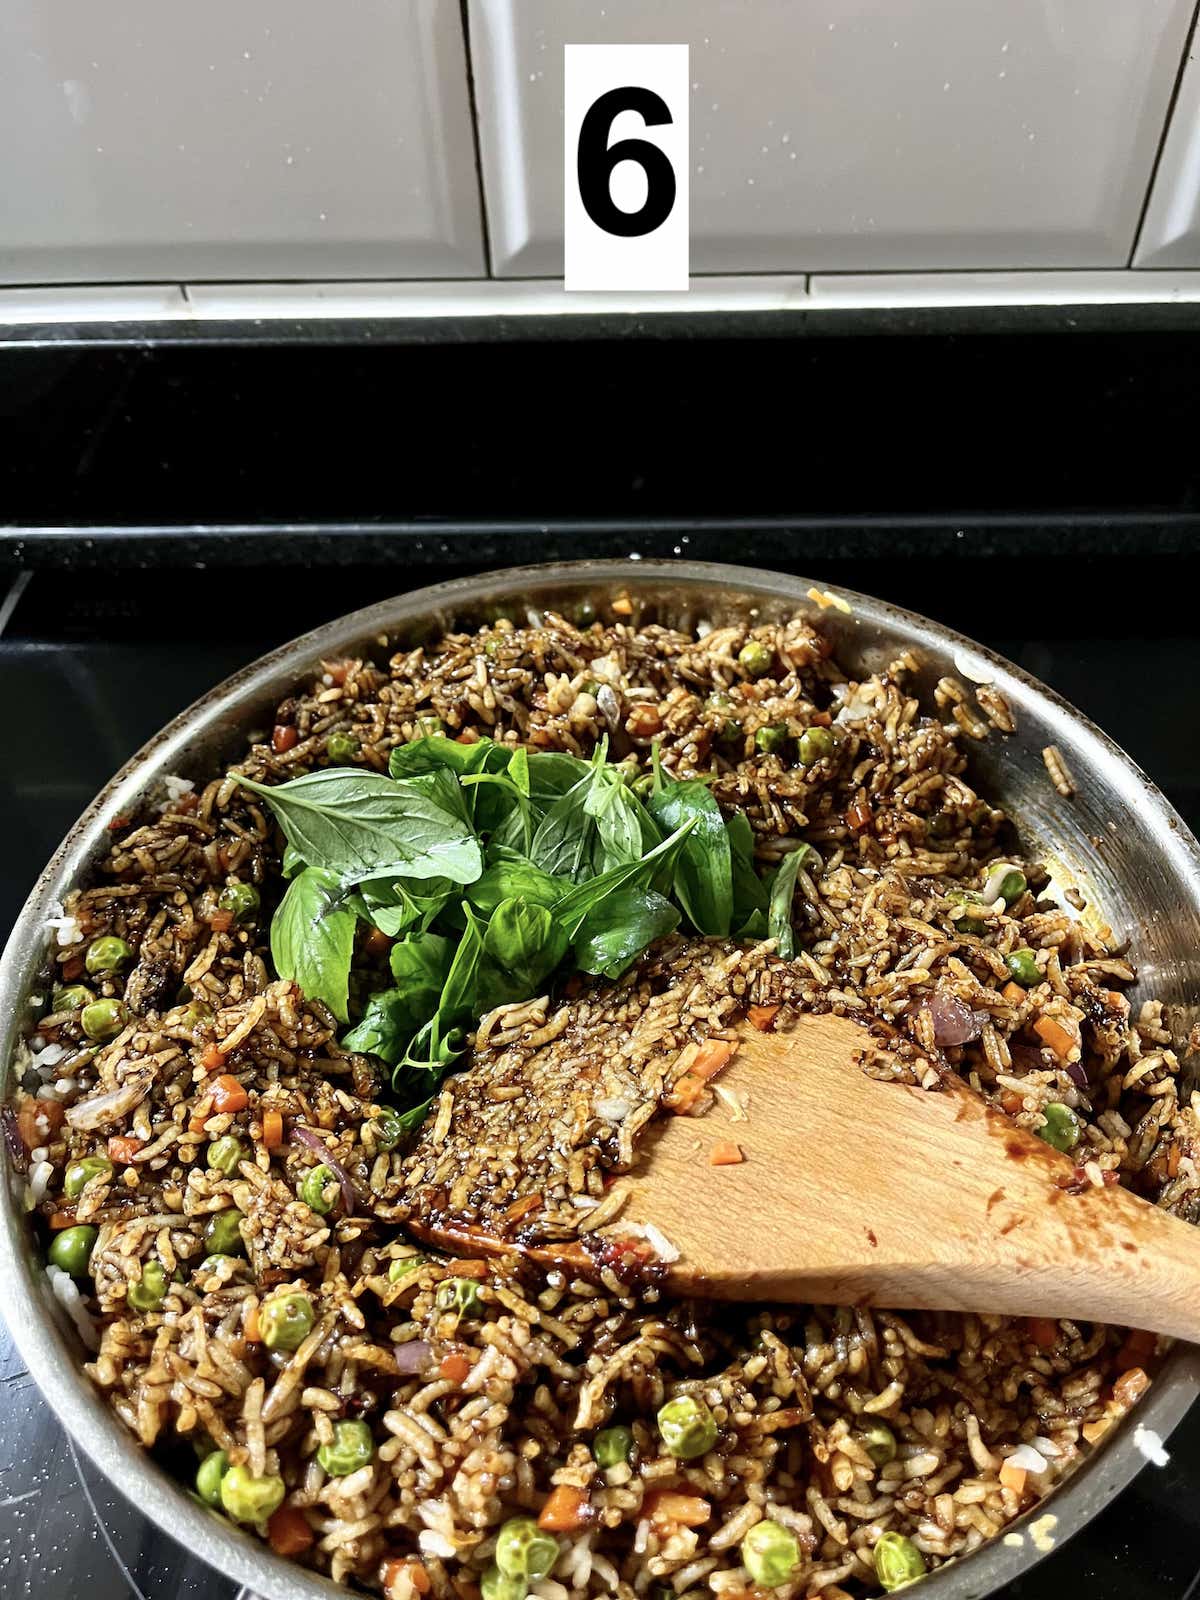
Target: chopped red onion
313	1142
12	1138
953	1020
412	1357
1077	1073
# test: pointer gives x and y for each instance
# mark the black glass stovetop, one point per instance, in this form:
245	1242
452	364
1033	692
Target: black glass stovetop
93	661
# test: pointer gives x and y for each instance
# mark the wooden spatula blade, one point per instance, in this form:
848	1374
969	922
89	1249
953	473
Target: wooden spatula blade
859	1191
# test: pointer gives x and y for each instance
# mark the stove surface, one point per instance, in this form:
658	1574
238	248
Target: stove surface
92	664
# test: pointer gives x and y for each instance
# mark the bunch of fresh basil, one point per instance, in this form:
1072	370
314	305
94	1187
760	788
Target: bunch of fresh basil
494	868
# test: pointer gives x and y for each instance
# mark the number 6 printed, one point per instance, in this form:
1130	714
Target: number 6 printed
625	167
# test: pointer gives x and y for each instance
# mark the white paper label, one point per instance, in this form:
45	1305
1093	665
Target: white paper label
625	166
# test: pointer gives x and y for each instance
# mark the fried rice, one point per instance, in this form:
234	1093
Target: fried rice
479	1417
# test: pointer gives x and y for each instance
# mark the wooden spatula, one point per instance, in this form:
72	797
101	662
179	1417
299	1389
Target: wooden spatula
856	1191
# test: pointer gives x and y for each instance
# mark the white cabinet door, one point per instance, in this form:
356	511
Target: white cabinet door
1170	234
149	139
841	135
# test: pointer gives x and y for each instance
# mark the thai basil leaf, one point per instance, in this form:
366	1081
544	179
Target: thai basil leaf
293	861
783	889
392	1017
501	806
750	893
510	875
563	842
420	965
617	929
396	905
437	752
579	900
457	1002
704	869
521	948
412	1119
312	938
387	1025
360	824
551	774
624	828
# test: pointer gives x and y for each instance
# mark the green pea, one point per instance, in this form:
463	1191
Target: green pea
225	1154
404	1267
1022	965
897	1561
770	739
352	1447
1060	1130
80	1173
312	1190
286	1320
240	899
103	1019
770	1554
755	658
198	1013
879	1442
73	997
72	1249
585	614
208	1477
223	1233
389	1129
612	1446
342	747
524	1551
250	1499
687	1426
815	743
494	1585
1012	886
964	923
460	1295
108	954
150	1290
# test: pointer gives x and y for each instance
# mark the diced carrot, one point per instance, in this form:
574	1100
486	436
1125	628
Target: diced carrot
397	1569
62	1219
522	1207
212	1060
200	1115
470	1269
1115	998
566	1511
1013	993
1174	1157
454	1367
250	1328
821	719
623	605
1052	1033
337	671
1043	1331
221	921
668	1506
1130	1386
467	736
684	1093
1094	1431
725	1154
859	815
289	1532
762	1017
228	1094
712	1055
38	1121
1013	1478
1010	1101
117	824
284	738
644	722
272	1132
1139	1347
122	1149
73	969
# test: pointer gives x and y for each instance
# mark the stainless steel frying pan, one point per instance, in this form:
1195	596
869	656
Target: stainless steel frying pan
1118	839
